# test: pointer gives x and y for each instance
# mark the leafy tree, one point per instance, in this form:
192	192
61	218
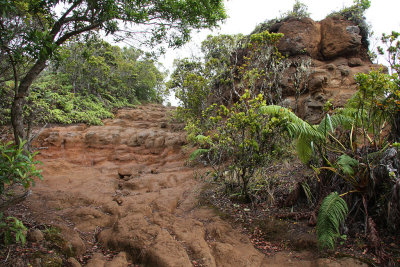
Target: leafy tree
221	59
392	50
35	30
233	64
263	67
191	84
85	82
98	68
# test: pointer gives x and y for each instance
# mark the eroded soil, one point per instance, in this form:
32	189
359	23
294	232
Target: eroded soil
125	186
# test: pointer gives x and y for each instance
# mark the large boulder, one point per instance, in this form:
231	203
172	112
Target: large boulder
339	37
301	36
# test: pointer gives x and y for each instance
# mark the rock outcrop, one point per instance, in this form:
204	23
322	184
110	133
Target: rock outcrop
337	52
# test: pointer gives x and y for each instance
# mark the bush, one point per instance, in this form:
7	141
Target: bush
17	166
242	140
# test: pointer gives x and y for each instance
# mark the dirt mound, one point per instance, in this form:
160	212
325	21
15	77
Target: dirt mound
125	185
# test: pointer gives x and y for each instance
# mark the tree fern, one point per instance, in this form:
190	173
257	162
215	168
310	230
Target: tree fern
332	212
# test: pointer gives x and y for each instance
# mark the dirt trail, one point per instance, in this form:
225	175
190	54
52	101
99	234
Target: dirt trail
126	184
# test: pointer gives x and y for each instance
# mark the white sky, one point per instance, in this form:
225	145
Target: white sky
244	15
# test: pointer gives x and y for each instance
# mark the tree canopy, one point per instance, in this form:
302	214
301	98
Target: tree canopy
32	31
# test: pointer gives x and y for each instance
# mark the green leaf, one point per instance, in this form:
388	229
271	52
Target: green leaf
347	164
332	213
197	153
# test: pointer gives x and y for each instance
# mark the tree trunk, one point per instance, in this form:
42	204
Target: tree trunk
17	118
21	93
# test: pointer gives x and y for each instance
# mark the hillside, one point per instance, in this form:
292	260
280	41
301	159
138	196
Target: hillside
125	188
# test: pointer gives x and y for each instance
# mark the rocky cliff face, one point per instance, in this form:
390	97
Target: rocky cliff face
337	52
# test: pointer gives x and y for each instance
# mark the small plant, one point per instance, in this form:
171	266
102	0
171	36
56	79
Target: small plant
17	166
299	10
12	229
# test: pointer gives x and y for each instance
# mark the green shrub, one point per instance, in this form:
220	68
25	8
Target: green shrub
17	166
12	229
241	140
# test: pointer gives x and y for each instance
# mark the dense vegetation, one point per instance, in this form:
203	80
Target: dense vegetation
234	113
32	33
86	81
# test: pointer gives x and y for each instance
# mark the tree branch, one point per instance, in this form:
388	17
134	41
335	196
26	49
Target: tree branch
65	37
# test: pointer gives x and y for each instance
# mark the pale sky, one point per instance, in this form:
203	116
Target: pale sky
245	15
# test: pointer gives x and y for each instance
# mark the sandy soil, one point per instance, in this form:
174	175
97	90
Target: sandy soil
126	186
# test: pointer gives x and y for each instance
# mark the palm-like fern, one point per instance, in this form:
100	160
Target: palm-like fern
332	213
307	135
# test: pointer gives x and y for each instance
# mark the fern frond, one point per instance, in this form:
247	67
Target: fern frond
332	212
198	152
347	164
304	148
304	133
330	123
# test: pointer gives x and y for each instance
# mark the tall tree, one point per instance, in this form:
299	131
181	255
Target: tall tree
35	29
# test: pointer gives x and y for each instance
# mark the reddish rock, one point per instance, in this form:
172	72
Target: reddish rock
301	36
72	262
339	37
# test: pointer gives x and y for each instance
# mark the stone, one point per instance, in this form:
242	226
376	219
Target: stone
301	36
124	172
355	62
339	37
72	262
35	235
344	70
118	261
159	141
73	245
316	83
330	67
97	260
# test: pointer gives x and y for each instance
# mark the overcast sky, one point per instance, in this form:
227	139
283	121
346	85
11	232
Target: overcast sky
244	15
